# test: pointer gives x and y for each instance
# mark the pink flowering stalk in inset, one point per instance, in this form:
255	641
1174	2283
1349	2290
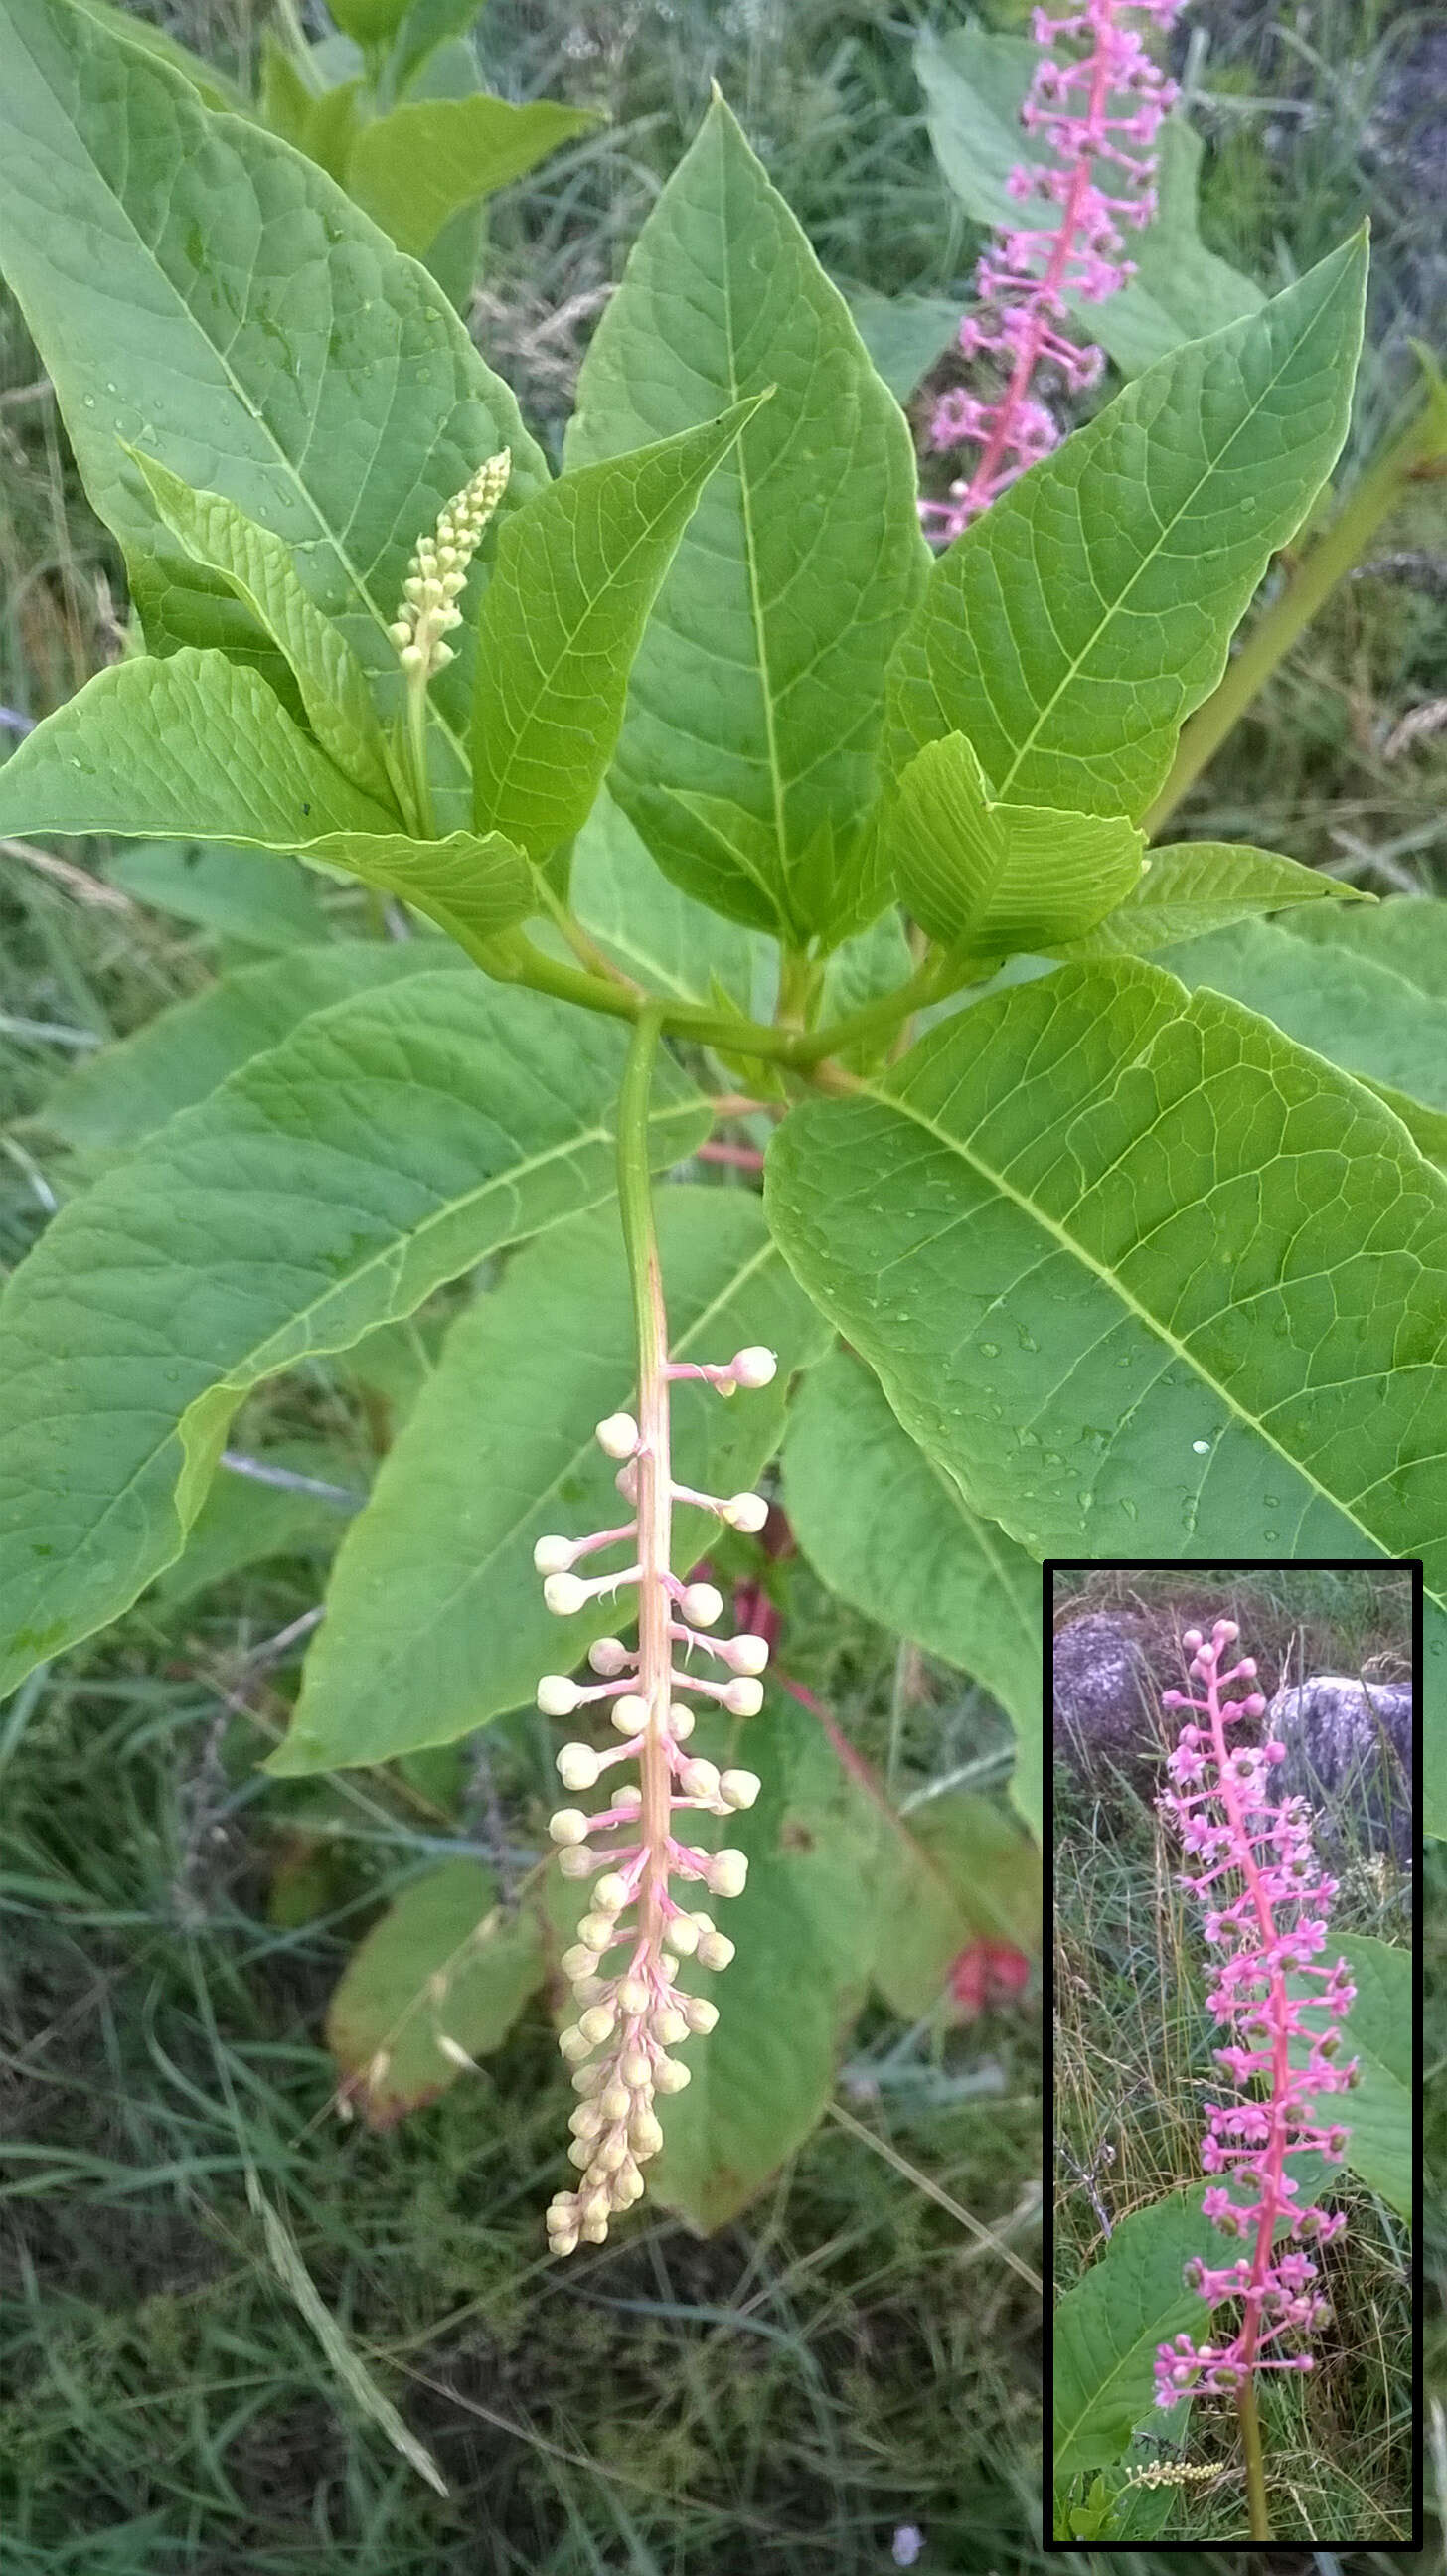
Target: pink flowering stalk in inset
1099	115
633	2012
1266	1905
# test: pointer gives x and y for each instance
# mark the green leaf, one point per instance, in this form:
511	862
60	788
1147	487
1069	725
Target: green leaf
974	84
1377	2032
415	168
387	1145
197	744
904	335
659	934
212	87
804	1931
125	1091
1107	2327
198	289
956	1869
1360	1015
990	879
244	1522
891	1532
435	1617
259	568
1408	933
386	2018
1068	636
262	901
1136	1269
426	25
578	570
321	122
370	22
1192	887
759	679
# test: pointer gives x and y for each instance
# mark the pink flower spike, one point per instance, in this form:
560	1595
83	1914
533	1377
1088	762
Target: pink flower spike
1273	1924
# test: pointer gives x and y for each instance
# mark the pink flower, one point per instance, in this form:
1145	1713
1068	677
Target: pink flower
1274	1920
1086	111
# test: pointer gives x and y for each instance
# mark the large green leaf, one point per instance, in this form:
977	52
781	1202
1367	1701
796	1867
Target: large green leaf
1071	630
1191	887
385	1146
258	567
435	1617
197	288
578	569
127	1090
263	901
974	84
1407	933
197	746
890	1531
1138	1271
1361	1015
418	166
747	755
805	1931
992	879
384	2021
1378	2033
655	930
212	87
1107	2328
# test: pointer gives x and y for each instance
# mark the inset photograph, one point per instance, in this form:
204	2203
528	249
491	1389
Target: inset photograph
1235	2045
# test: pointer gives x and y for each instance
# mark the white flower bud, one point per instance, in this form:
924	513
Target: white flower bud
668	2028
739	1788
701	1605
596	2024
644	2134
683	1935
627	2184
628	1801
747	1512
699	1779
611	1893
455	2054
578	1962
633	1996
586	2121
609	1656
617	2102
557	1696
590	2079
612	2152
754	1367
562	2240
598	1932
594	2231
617	1435
554	1555
745	1697
1191	1639
680	1720
412	658
401	633
580	2153
746	1654
577	1766
575	1862
629	1713
727	1873
1227	1630
715	1950
635	2067
569	1825
700	2015
572	2044
564	1594
671	2075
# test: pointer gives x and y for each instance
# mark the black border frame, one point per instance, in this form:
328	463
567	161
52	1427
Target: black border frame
1196	1568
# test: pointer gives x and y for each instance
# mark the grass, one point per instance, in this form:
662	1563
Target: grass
842	2362
1132	2062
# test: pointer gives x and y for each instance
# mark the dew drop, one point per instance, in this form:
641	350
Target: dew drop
1201	1447
990	1350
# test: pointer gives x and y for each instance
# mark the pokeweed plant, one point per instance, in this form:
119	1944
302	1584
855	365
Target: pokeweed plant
1250	1857
668	748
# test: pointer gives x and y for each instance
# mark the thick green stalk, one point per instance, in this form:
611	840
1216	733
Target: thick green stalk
652	1467
1255	2468
1317	575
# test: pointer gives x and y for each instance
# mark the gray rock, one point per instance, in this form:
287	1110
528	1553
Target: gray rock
1349	1752
1108	1723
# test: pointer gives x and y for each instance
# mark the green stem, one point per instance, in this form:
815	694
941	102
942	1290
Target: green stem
417	746
653	1468
1317	575
1255	2468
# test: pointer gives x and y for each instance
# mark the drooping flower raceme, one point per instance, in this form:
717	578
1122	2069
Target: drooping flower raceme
1099	116
1266	1900
639	1923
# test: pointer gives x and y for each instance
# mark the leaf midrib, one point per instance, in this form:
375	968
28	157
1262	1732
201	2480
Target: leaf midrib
1111	1279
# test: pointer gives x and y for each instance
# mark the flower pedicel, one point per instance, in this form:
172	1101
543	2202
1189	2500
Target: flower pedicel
632	2012
1266	1903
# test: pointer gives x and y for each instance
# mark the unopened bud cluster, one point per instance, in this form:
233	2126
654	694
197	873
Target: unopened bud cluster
639	1925
1266	1902
438	570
